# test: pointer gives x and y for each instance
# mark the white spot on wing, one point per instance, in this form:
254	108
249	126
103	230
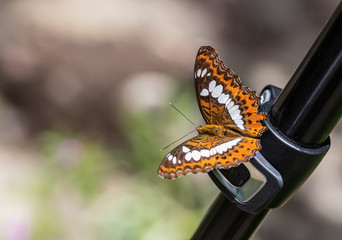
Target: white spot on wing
219	149
216	149
204	92
198	72
232	143
208	74
224	147
228	145
212	85
217	91
170	157
211	151
174	160
239	121
235	114
230	105
188	156
204	72
196	155
236	107
205	153
228	101
185	149
223	98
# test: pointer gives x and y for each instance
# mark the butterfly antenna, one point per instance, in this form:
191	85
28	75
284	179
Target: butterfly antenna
170	103
177	140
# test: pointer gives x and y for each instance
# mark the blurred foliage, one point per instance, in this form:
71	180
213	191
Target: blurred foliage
146	132
114	192
81	163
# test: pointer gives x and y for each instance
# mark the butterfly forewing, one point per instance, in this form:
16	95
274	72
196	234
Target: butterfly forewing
222	98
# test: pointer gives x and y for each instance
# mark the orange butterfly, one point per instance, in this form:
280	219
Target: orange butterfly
233	124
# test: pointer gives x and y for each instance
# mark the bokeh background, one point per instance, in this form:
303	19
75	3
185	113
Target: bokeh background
84	92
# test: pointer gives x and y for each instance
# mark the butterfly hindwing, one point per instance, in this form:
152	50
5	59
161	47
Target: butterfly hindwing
205	152
222	98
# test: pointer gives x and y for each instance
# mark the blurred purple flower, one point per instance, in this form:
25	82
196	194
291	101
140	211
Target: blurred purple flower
16	229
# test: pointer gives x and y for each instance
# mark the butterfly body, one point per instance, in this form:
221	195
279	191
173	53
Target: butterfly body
218	130
211	129
233	123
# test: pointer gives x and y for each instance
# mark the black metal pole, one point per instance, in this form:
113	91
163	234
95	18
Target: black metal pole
225	221
306	111
310	105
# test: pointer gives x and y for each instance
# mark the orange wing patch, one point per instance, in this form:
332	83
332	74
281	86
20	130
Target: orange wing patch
249	103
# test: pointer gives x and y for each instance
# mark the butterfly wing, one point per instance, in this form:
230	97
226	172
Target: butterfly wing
221	97
205	152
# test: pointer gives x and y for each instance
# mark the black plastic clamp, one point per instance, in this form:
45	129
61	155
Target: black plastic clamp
270	177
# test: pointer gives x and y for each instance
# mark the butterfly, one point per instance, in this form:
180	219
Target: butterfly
233	127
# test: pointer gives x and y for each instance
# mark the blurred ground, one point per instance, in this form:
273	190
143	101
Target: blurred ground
84	88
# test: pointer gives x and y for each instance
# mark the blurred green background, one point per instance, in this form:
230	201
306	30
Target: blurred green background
84	92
